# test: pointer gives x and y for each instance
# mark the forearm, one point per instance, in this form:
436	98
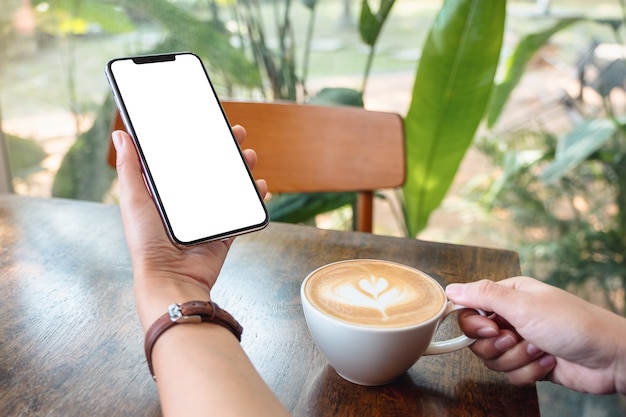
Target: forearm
620	362
202	370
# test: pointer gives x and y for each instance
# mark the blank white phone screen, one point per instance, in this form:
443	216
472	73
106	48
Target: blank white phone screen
191	157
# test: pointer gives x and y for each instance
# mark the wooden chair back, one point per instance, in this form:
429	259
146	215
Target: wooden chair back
309	148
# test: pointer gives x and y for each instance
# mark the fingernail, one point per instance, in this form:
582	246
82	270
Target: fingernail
533	350
117	140
487	332
547	361
505	342
454	289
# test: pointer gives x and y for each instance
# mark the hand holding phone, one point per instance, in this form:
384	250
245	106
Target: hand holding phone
193	166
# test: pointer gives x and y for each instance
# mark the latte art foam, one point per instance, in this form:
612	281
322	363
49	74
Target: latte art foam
374	293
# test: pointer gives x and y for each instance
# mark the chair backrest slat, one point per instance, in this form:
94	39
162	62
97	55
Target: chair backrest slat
306	148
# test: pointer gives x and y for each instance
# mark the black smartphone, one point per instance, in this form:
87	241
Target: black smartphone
192	163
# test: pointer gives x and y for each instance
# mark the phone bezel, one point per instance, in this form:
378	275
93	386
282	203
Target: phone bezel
149	179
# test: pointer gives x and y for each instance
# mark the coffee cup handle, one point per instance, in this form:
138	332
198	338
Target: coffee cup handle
457	343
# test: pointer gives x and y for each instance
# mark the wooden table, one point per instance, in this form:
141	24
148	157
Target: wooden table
71	345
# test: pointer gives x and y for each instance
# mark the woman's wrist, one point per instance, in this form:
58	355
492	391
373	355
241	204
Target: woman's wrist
189	313
154	295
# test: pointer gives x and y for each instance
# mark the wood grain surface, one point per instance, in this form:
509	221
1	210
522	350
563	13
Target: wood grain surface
71	345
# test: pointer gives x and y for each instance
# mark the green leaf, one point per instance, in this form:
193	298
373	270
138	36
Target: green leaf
83	173
370	24
338	96
516	65
577	145
303	207
309	4
451	91
513	163
25	155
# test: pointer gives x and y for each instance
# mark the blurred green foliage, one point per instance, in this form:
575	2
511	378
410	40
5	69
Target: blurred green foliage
566	190
454	77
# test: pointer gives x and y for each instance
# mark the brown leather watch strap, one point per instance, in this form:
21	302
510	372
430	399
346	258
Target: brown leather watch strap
190	312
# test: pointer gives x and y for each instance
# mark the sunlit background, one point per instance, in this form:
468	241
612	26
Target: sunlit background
56	112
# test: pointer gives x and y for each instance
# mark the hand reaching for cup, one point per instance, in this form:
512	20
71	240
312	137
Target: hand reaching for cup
539	332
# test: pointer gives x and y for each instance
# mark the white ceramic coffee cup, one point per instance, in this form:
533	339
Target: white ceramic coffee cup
374	355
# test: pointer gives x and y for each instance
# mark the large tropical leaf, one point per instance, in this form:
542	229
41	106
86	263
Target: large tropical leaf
451	91
516	64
